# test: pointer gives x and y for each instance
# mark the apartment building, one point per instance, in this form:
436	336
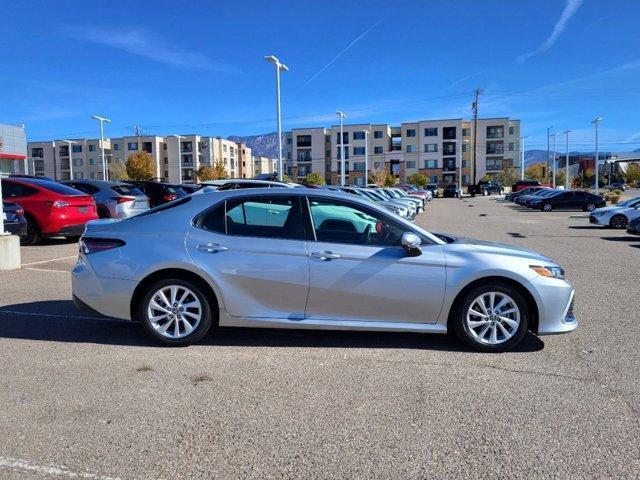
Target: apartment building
440	149
67	159
262	165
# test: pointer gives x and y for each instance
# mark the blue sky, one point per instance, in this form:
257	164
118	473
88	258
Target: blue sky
197	67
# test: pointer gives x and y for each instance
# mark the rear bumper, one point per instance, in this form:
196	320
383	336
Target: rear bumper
68	231
16	228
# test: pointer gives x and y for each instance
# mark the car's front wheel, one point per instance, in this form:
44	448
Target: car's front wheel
618	221
491	318
175	312
547	207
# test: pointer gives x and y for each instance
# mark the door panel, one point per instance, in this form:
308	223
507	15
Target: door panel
369	283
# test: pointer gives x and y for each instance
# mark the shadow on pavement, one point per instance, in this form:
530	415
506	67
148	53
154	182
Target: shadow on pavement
59	321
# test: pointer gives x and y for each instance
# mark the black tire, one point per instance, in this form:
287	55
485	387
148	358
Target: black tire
103	213
33	235
590	207
618	221
457	320
199	331
547	207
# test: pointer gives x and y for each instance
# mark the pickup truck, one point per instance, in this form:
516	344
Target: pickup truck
485	188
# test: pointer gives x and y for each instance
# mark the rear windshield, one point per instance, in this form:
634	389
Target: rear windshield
165	206
59	188
127	190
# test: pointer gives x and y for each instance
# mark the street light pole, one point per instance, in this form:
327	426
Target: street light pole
178	138
596	121
105	176
522	139
548	150
69	142
341	116
366	157
566	166
554	135
279	67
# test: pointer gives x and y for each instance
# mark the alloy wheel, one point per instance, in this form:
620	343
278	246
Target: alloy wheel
493	318
619	221
591	207
547	207
174	311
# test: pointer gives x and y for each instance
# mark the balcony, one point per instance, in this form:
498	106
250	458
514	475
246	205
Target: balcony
449	166
495	150
495	132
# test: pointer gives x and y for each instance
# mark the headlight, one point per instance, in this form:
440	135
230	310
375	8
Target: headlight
597	214
548	271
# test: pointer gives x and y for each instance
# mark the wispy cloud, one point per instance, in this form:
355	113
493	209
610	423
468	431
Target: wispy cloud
463	79
633	138
344	50
569	11
142	43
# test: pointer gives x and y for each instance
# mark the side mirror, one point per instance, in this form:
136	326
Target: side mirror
411	242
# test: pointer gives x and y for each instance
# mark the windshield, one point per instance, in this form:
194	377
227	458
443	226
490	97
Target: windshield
632	202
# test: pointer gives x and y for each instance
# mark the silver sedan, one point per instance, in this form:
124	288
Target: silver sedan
311	259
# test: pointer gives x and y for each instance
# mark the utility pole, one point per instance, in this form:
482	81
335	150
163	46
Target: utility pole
554	135
280	67
341	116
566	166
105	175
596	121
522	139
474	107
366	157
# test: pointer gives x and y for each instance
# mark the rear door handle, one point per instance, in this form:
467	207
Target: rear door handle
326	255
212	248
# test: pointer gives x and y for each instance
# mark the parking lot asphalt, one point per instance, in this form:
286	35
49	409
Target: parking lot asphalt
92	397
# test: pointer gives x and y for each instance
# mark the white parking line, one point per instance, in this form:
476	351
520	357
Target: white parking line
47	261
46	270
60	315
51	470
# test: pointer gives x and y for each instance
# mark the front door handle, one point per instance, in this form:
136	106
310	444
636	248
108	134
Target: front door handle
212	248
326	255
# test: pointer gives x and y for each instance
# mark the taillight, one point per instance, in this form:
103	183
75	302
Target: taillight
57	204
168	198
90	245
123	199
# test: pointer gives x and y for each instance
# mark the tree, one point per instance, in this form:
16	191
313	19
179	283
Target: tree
534	172
632	174
390	181
219	171
205	173
118	171
418	179
313	178
560	177
508	176
379	177
140	166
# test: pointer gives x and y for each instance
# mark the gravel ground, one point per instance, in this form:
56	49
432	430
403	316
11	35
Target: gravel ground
90	397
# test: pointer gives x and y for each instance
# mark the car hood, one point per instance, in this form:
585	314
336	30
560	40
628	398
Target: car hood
608	209
481	246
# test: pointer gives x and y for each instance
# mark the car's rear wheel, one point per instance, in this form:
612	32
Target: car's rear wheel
590	207
33	235
175	312
618	221
491	318
103	212
547	207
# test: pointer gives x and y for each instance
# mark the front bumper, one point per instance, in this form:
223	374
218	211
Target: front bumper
555	299
596	220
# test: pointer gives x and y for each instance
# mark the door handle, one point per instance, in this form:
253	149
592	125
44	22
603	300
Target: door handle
326	255
212	248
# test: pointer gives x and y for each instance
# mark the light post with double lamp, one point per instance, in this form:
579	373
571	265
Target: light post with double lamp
553	164
69	143
179	138
566	158
522	139
105	176
366	157
548	151
279	67
341	116
596	121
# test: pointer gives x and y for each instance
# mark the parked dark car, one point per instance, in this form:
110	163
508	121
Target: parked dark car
544	192
633	226
569	200
520	193
523	184
158	192
617	186
433	188
451	191
14	221
485	188
189	188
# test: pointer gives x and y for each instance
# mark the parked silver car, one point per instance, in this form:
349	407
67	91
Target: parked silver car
113	199
312	259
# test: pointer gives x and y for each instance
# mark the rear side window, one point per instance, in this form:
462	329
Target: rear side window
270	217
126	190
213	220
14	190
85	188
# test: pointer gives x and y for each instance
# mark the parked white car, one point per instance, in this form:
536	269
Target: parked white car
616	216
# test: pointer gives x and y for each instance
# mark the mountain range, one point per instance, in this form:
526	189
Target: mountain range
266	145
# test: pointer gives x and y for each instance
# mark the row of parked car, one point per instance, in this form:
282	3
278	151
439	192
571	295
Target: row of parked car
547	199
36	208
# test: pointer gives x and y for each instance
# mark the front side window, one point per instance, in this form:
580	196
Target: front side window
268	217
342	222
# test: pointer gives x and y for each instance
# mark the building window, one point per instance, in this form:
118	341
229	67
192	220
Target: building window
116	146
495	132
92	175
465	147
166	161
304	155
358	166
377	165
327	153
303	140
358	135
495	148
449	164
411	164
64	151
448	148
358	150
430	132
132	146
430	164
512	130
466	132
224	147
76	148
465	178
465	164
511	146
92	161
92	148
411	148
449	133
37	152
433	179
411	132
377	134
494	164
377	150
146	146
289	141
430	147
346	152
345	137
77	162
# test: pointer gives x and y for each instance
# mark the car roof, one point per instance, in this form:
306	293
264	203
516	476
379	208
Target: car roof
246	180
97	183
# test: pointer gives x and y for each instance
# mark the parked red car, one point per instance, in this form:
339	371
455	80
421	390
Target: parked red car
51	209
